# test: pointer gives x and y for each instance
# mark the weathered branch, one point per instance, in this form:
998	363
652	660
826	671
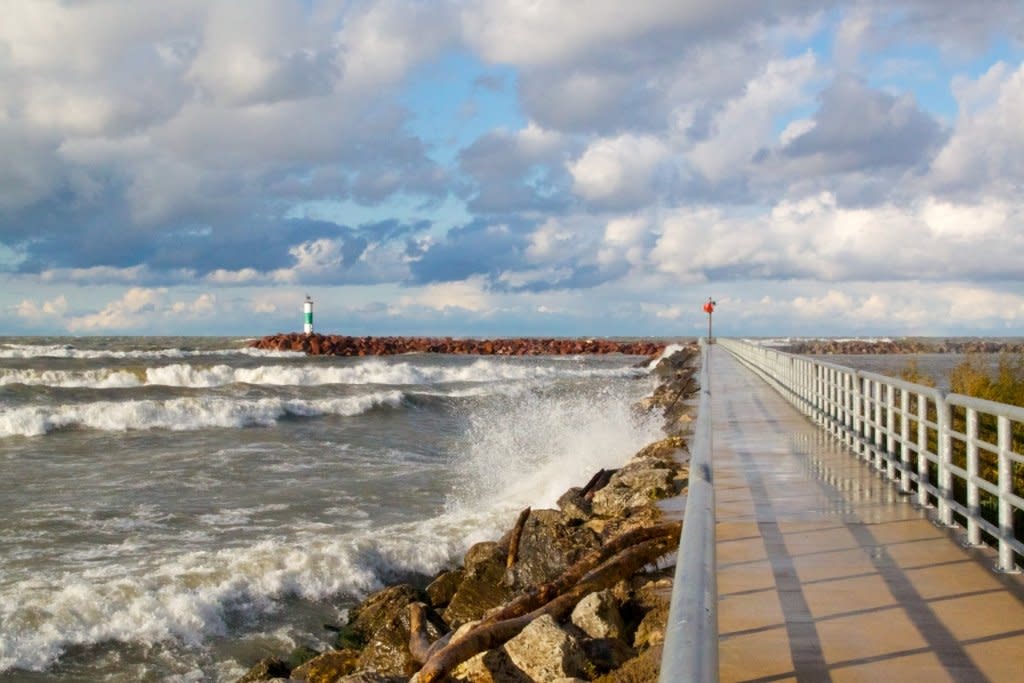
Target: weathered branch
596	483
539	595
489	634
419	644
517	532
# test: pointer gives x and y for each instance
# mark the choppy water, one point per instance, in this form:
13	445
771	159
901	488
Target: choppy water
176	508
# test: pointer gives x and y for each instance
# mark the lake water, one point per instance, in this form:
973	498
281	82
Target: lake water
177	508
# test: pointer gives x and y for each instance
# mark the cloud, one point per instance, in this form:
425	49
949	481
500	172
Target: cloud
141	309
986	149
468	295
743	125
858	128
619	171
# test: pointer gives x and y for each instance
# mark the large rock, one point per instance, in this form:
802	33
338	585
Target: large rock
265	670
378	634
606	654
644	668
545	651
328	667
598	616
442	589
548	546
482	587
380	608
634	485
492	666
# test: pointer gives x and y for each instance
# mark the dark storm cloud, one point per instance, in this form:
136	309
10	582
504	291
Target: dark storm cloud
479	248
858	127
508	173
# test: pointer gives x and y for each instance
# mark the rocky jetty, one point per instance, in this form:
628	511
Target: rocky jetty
822	347
577	593
338	345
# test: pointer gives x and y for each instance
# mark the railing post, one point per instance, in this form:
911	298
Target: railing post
945	456
1006	531
858	415
905	440
922	450
890	431
879	436
973	498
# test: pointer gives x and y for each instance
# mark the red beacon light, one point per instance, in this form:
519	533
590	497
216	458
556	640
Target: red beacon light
709	308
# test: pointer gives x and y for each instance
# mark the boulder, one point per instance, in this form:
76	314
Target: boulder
548	546
643	668
606	654
328	667
574	507
265	670
442	589
598	616
669	451
634	485
379	610
651	630
545	651
371	677
492	666
387	649
481	588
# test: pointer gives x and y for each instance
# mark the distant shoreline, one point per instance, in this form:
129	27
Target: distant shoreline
851	347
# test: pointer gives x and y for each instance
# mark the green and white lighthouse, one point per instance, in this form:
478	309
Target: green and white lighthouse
307	311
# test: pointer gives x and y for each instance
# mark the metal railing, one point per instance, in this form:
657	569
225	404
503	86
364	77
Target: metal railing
954	453
691	635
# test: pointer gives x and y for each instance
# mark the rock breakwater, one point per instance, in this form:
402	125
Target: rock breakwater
339	345
573	593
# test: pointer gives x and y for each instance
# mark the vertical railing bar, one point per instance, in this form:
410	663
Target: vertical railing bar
973	497
905	440
1005	467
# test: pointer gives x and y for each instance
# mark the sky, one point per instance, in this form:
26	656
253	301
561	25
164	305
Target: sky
512	167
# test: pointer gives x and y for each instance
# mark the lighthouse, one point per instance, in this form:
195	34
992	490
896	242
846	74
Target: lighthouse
307	310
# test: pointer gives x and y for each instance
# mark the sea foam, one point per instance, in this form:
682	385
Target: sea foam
182	414
367	372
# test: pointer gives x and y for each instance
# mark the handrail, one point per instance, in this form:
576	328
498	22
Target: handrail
930	442
691	635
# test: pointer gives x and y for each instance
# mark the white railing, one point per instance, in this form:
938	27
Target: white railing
691	634
952	452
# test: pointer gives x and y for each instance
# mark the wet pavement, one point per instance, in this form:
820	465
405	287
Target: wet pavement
827	573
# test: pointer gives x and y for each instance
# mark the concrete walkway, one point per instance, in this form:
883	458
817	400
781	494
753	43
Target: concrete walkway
826	573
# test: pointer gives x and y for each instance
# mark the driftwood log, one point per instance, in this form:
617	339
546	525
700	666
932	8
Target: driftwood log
619	558
517	532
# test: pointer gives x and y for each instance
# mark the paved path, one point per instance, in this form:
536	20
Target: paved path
826	573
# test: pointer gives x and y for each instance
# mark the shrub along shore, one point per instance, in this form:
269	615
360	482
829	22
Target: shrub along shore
577	593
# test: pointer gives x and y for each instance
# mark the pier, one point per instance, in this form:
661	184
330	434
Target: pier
835	558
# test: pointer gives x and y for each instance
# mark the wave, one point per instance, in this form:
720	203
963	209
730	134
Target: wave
190	597
182	414
20	351
369	372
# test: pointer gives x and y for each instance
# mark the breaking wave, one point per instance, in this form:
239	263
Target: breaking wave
513	452
68	351
182	414
369	372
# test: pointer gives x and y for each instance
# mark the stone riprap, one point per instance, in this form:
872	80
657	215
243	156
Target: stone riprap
610	633
340	345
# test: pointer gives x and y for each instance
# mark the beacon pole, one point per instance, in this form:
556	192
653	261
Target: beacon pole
709	308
